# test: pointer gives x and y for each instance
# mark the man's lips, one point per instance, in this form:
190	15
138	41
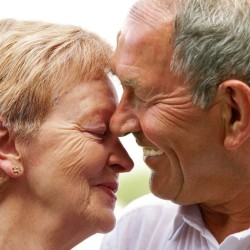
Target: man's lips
149	149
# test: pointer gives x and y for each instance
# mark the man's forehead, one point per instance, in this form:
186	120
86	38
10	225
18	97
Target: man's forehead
155	11
145	24
135	35
136	44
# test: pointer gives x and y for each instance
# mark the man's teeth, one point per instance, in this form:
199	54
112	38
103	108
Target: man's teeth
151	152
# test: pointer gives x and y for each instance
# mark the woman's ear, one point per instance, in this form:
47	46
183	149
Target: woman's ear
9	157
236	112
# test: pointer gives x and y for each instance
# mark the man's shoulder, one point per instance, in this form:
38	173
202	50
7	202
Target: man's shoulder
148	206
147	201
145	223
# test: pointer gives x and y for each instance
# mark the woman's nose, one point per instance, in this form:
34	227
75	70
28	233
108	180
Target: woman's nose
119	159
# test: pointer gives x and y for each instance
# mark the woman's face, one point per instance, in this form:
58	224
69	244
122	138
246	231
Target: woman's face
72	165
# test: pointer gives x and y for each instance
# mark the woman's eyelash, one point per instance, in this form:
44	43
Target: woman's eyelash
95	132
99	136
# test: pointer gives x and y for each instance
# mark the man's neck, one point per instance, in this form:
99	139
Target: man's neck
223	221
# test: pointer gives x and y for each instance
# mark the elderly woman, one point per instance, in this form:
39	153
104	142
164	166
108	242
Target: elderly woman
59	162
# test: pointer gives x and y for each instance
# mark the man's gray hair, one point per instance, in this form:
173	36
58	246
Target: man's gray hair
212	44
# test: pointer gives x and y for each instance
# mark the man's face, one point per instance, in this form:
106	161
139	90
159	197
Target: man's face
182	144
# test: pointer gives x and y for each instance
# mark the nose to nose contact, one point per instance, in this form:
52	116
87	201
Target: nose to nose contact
124	121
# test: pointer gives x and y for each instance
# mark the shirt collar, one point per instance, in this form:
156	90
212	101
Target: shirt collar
190	215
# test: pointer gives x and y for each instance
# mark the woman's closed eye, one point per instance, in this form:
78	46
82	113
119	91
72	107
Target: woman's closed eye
99	136
95	131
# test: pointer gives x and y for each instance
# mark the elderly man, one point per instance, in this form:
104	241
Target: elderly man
185	71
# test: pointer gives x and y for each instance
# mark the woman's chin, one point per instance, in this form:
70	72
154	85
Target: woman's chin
108	224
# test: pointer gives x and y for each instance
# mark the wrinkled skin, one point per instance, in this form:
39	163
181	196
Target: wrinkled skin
72	165
189	163
196	156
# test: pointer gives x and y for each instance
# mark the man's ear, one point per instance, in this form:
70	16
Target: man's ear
236	112
9	157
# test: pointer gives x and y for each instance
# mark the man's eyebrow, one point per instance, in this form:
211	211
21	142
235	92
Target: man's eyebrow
129	83
134	84
126	82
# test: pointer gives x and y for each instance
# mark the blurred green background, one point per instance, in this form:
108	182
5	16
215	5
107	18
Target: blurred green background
132	185
135	183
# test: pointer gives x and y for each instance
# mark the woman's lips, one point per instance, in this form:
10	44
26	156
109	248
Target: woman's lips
110	189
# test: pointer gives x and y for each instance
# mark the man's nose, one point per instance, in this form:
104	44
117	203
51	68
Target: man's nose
125	119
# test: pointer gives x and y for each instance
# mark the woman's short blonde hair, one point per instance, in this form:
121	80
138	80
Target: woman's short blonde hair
39	62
